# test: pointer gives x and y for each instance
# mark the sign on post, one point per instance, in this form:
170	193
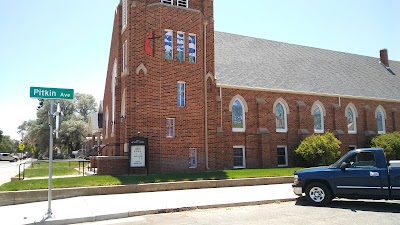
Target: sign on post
51	93
21	146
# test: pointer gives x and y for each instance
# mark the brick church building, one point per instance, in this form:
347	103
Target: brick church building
182	97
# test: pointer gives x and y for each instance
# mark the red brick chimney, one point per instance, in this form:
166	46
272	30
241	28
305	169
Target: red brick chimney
384	57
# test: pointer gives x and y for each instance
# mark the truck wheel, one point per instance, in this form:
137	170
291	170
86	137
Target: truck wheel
318	194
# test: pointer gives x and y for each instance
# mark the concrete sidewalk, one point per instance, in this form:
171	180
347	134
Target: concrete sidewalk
103	207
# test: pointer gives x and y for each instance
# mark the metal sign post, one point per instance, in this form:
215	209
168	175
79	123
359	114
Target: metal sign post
51	93
49	212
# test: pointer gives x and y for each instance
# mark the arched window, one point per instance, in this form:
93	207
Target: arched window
351	118
380	116
238	107
281	111
238	116
318	112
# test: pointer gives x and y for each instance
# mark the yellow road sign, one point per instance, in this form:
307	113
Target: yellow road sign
21	146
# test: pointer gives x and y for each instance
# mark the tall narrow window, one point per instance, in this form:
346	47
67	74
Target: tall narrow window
124	14
107	121
318	115
125	56
280	111
238	116
182	3
168	54
181	94
180	46
239	157
282	155
113	87
380	119
170	127
192	47
192	158
351	120
123	104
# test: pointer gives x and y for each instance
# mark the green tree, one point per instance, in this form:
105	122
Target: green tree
85	104
7	145
73	132
72	124
319	149
1	135
389	142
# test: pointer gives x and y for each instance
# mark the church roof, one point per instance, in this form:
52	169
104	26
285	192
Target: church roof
248	62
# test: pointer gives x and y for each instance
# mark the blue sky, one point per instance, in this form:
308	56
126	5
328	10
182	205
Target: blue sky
65	44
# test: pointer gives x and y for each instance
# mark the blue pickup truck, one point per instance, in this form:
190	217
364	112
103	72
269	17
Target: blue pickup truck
360	174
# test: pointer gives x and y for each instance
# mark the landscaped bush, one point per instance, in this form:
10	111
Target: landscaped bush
390	143
319	149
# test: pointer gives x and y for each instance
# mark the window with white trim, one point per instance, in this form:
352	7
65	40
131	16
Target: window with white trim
281	111
380	116
351	119
167	1
239	157
182	3
281	151
352	147
192	158
181	93
318	115
238	116
125	56
170	127
124	14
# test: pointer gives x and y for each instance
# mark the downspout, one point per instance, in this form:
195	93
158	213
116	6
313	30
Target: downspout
205	22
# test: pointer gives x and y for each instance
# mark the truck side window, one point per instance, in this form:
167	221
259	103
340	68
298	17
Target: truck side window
362	160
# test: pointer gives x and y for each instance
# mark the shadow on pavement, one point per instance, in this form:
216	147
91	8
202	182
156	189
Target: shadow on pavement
358	205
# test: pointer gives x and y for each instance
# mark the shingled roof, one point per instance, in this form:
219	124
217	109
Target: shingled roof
248	62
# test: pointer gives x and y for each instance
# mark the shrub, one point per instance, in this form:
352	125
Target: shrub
319	149
389	142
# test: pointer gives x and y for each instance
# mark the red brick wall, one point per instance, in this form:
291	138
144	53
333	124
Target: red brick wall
151	98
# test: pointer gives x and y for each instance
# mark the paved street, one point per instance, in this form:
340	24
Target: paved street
8	170
340	212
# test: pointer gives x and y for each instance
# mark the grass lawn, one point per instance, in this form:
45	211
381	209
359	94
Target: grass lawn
105	180
41	169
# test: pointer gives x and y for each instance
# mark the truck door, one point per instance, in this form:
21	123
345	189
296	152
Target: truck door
361	178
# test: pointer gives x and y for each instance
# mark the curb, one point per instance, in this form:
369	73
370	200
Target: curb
20	197
97	218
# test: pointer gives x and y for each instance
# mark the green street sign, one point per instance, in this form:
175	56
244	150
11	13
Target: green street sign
51	93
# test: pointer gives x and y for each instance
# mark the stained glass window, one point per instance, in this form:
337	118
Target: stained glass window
180	46
168	54
280	115
238	116
351	120
318	119
192	48
380	121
